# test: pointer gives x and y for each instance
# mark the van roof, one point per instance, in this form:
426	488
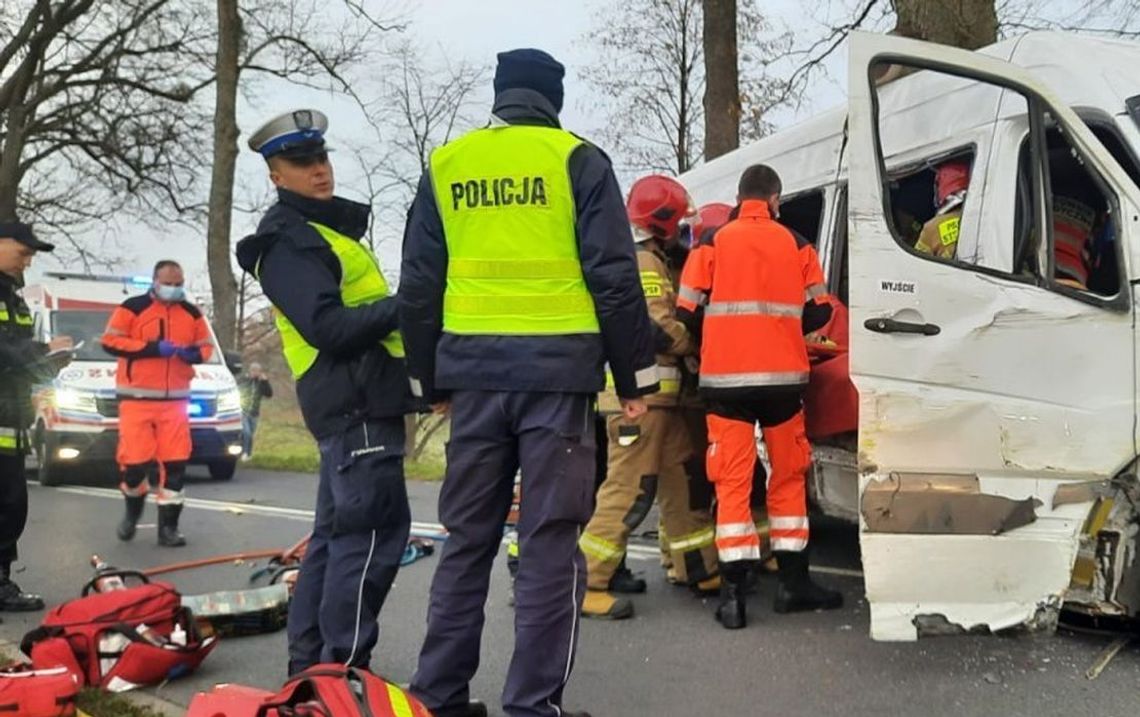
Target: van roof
807	154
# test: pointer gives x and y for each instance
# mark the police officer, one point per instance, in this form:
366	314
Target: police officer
23	362
518	283
338	330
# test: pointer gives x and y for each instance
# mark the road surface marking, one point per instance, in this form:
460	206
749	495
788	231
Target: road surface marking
648	551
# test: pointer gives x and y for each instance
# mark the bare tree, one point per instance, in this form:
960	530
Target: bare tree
649	71
305	42
96	114
968	24
421	105
722	87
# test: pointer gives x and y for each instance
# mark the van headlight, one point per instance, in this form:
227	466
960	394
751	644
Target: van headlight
229	401
73	399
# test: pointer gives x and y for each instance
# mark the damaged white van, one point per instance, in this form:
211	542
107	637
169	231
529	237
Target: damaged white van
992	461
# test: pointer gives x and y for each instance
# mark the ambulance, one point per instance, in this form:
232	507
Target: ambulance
76	428
982	424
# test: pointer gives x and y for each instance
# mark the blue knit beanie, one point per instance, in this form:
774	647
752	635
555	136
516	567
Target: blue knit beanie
533	70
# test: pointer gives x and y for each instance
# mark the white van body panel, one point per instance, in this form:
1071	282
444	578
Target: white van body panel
1025	395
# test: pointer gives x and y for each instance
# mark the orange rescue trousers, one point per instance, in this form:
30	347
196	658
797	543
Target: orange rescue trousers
731	463
153	432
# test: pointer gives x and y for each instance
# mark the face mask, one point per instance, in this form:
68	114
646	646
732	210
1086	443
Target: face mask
170	294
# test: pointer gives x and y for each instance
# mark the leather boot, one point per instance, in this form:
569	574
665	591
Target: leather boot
13	599
731	611
796	592
624	581
600	604
474	708
135	505
168	535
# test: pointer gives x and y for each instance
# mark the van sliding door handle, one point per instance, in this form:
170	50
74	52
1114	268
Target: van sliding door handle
890	326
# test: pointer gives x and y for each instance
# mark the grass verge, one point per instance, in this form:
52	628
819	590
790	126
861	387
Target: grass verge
284	444
96	703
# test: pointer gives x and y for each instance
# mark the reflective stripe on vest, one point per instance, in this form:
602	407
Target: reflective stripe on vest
7	439
508	214
754	308
21	319
759	378
361	282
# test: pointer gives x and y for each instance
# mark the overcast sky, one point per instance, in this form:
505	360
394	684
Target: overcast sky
462	30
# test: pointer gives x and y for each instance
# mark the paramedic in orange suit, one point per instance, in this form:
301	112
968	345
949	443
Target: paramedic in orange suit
158	337
762	289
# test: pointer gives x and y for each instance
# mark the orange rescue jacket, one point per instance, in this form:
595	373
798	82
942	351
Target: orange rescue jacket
133	334
753	281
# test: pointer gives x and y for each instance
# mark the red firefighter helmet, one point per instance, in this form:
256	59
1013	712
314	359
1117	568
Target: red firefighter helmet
709	217
952	177
656	206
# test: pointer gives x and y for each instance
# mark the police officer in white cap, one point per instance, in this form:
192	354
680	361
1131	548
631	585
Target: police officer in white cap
338	330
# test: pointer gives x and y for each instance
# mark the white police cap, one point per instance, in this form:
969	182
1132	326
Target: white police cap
299	133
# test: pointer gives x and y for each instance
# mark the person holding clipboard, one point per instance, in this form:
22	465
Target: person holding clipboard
23	363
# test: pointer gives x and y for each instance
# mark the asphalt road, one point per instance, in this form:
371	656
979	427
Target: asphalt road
672	659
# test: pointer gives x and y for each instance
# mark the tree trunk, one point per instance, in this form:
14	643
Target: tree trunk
722	78
10	151
222	285
969	24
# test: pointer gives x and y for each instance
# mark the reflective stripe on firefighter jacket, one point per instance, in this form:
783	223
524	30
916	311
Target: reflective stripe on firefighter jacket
753	281
1073	222
674	342
133	334
361	282
507	208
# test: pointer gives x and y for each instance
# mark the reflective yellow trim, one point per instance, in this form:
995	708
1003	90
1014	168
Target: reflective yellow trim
514	269
401	707
694	541
600	548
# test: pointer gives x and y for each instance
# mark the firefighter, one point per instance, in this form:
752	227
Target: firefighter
653	455
939	236
158	336
338	331
23	363
518	282
762	289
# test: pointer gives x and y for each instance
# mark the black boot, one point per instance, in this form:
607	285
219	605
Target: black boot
796	592
168	535
13	599
135	505
474	708
734	577
624	582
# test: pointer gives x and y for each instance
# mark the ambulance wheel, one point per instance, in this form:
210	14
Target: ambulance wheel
49	471
223	470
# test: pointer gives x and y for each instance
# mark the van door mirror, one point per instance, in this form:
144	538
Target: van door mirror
233	362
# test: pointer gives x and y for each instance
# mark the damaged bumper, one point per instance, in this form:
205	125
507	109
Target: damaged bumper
953	554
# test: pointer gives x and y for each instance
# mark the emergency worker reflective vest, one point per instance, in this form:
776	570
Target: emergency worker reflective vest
15	411
361	282
507	207
753	282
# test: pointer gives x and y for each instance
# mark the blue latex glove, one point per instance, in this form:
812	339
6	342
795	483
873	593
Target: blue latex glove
190	354
166	349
